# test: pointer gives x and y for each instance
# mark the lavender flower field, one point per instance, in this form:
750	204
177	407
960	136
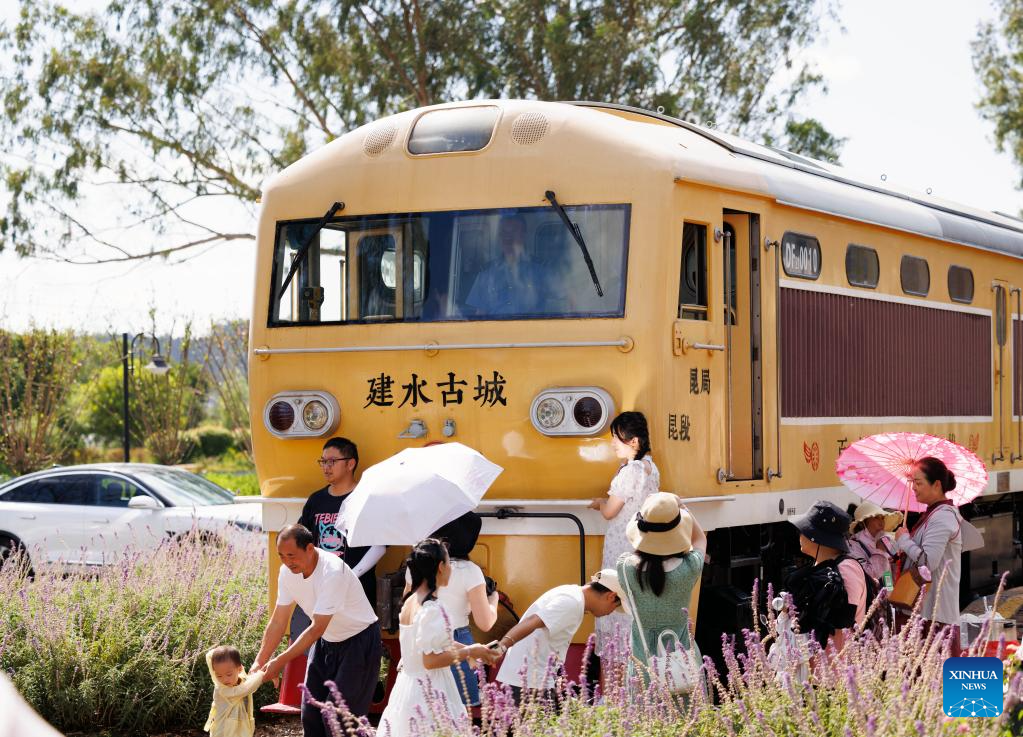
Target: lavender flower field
121	651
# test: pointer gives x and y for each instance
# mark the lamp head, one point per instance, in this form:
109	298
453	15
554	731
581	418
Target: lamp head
157	365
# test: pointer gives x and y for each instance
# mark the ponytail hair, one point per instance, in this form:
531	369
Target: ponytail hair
629	425
935	470
423	563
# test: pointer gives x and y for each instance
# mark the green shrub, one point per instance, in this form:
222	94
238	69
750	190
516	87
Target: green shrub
123	649
243	483
210	441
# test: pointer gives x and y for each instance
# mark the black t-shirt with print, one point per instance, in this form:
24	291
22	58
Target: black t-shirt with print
319	516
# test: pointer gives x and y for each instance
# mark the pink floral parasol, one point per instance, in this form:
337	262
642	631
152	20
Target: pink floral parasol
879	467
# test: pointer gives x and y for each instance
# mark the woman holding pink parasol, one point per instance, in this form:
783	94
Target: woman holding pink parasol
936	541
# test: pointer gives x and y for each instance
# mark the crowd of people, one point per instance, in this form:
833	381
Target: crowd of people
653	557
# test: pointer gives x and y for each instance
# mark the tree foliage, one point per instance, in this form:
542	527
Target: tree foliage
998	62
37	375
227	363
169	105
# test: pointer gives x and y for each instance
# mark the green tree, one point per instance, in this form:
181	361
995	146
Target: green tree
227	364
998	62
173	103
160	408
38	370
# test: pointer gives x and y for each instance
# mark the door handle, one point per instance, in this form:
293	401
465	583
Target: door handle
26	516
102	521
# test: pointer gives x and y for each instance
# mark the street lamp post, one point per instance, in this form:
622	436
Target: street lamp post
157	365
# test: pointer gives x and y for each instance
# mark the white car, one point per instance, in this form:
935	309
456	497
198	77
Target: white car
92	514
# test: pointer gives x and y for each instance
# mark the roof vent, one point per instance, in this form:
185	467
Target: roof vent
378	139
529	128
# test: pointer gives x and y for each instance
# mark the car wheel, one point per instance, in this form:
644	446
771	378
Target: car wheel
13	549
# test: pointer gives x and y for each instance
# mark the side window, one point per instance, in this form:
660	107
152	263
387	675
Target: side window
960	284
692	287
34	492
116	492
378	277
861	266
915	275
73	489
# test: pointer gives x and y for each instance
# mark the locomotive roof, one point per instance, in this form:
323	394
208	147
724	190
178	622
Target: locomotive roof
815	185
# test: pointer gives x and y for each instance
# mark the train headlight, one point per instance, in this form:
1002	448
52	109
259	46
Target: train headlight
315	414
588	412
301	414
549	413
281	416
572	411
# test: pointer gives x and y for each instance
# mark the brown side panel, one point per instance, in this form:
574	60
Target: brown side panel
852	357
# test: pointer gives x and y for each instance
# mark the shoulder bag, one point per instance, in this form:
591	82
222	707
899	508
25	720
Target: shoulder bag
674	667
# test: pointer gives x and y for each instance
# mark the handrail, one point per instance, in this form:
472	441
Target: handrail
771	473
727	473
999	290
620	343
507	513
1018	393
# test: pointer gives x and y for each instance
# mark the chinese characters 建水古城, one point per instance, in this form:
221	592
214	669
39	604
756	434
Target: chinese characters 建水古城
487	392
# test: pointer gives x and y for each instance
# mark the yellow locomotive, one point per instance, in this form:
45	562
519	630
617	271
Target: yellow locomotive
511	274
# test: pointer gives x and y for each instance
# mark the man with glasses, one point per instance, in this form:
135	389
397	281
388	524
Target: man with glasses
338	461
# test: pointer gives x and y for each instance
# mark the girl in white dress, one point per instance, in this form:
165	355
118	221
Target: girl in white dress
637	478
425	697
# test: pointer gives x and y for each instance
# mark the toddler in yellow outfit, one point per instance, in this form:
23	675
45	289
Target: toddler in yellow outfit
231	714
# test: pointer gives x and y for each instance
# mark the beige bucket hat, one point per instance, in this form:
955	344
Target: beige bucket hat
661	527
866	510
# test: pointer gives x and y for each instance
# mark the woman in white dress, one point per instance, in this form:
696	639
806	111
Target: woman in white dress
636	479
425	697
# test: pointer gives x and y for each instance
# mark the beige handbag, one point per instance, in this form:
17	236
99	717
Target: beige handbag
907	590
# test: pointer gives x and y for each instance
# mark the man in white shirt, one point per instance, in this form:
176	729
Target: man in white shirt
547	628
343	631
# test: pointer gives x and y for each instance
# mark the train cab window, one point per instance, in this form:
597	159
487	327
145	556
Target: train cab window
915	275
960	284
861	266
519	263
692	287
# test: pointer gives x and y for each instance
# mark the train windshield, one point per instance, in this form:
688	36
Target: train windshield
508	264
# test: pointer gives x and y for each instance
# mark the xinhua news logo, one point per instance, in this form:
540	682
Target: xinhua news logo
972	687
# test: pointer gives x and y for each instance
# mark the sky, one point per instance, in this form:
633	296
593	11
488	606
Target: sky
902	92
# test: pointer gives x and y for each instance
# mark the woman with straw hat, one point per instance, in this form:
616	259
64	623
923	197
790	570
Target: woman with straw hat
868	543
660	576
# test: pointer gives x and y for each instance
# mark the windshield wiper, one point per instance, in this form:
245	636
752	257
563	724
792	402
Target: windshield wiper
300	254
552	198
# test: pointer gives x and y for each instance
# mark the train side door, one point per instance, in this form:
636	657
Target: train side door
741	262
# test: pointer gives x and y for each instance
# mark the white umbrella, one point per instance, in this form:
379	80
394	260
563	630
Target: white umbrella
404	498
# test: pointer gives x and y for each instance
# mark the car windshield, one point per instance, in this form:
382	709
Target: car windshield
509	264
184	489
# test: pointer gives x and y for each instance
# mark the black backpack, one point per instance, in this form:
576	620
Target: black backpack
818	593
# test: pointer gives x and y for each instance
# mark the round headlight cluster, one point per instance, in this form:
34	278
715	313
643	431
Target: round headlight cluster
572	410
301	414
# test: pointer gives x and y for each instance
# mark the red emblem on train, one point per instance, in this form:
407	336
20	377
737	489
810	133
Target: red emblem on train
812	454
